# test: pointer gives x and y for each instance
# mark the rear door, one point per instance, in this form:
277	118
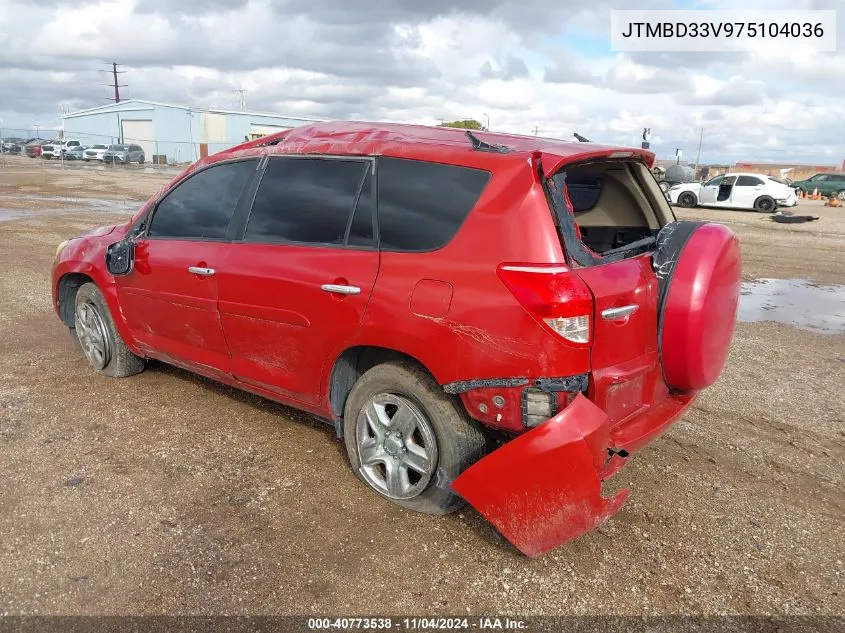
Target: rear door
170	297
623	357
294	289
746	190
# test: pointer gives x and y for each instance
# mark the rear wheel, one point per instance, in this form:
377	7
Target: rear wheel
141	160
96	332
841	195
687	199
407	440
765	204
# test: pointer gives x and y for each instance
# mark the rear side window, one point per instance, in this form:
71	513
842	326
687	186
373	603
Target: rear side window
305	200
748	181
202	206
422	205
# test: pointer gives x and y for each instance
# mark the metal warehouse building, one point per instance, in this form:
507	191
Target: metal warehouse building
172	133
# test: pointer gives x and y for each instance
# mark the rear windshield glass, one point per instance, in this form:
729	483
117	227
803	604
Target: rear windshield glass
607	210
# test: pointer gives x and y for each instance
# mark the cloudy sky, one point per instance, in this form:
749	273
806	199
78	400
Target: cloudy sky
523	63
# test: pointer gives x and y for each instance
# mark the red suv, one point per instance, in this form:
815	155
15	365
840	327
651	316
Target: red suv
483	317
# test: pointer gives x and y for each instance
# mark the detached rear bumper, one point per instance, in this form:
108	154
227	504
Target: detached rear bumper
543	488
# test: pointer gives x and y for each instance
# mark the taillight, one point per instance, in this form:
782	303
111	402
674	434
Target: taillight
554	295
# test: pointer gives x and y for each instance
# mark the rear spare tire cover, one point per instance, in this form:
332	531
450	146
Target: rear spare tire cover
698	266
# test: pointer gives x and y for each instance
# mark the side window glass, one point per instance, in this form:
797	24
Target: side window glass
421	205
748	181
361	227
305	200
203	205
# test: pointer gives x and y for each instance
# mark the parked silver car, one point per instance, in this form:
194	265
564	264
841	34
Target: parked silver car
124	154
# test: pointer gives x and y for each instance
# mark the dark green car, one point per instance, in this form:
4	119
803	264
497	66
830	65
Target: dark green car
827	183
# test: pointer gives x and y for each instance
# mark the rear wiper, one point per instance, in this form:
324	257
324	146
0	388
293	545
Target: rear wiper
633	246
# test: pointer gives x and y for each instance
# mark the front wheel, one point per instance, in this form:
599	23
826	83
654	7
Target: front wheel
841	195
96	332
687	200
408	440
141	160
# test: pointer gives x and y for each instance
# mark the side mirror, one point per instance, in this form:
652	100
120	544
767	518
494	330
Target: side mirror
120	257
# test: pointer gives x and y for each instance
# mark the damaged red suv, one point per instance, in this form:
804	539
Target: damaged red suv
496	319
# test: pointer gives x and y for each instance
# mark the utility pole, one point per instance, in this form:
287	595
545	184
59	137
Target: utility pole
536	129
241	99
115	72
488	122
698	156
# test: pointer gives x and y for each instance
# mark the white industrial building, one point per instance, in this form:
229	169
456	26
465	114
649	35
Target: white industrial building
172	133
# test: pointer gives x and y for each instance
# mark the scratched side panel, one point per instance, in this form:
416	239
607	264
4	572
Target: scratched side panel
485	333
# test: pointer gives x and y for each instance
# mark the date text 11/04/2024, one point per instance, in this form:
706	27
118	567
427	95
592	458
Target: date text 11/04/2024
418	623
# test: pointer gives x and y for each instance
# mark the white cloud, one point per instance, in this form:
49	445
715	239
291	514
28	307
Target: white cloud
405	60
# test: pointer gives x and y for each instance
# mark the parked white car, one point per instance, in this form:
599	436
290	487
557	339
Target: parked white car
95	152
56	148
736	191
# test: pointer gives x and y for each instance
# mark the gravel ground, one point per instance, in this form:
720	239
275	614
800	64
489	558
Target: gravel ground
168	493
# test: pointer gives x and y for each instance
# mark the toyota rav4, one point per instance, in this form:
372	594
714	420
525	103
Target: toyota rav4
489	318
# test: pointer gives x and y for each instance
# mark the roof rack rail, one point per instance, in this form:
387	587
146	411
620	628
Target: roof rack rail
483	146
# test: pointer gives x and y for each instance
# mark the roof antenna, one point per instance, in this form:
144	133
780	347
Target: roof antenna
483	146
581	139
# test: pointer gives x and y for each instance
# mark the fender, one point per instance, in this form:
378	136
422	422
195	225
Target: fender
105	283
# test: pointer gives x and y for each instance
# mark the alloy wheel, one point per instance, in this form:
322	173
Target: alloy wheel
397	446
93	335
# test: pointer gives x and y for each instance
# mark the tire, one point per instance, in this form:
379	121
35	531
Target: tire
765	204
698	268
457	440
141	160
841	195
92	319
664	186
687	200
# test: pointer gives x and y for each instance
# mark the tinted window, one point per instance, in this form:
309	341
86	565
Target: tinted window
203	205
305	200
421	205
361	228
714	182
748	181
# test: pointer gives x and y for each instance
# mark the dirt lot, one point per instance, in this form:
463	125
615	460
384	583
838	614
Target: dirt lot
167	493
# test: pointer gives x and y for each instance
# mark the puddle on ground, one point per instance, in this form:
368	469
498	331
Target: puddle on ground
796	302
73	205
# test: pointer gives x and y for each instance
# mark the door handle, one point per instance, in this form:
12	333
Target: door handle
617	314
198	270
341	290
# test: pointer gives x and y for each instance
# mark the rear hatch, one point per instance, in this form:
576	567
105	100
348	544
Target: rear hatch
608	212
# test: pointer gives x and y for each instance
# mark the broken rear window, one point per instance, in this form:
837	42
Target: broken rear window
607	210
